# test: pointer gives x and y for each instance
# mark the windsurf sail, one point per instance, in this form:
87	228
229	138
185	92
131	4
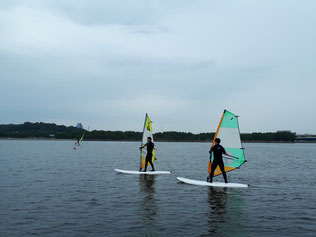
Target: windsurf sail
228	132
147	132
80	141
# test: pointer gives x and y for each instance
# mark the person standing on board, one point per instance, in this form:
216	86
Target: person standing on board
218	151
150	147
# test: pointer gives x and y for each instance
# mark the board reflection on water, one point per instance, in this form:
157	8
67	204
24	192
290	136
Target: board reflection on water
147	187
226	215
148	209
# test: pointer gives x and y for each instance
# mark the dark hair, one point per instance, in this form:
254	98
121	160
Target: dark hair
217	140
149	138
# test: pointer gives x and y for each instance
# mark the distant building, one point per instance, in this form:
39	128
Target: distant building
79	125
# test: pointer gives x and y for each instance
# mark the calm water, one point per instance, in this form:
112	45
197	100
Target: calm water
49	189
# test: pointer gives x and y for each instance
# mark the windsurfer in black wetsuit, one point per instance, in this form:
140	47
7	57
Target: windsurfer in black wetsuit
150	147
218	151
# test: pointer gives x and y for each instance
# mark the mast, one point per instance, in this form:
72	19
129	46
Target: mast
141	144
219	125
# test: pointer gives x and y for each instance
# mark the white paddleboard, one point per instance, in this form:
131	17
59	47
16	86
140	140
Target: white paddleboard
139	172
214	184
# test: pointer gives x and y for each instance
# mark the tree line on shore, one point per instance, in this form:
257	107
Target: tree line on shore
53	131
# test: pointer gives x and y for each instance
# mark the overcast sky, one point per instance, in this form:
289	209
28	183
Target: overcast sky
107	63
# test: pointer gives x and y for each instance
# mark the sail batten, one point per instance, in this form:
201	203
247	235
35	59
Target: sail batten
228	132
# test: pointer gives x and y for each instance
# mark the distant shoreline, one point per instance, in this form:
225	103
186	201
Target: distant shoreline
100	140
51	131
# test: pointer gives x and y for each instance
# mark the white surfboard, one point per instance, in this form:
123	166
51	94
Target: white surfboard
139	172
214	184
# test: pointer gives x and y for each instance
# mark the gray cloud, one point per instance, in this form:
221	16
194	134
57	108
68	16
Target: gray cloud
105	64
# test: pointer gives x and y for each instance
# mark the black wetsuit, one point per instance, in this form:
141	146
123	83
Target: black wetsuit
218	152
150	147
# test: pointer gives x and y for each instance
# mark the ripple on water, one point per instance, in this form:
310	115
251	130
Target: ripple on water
47	189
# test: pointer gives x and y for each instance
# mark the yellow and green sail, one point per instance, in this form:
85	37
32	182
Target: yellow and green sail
228	132
147	132
80	141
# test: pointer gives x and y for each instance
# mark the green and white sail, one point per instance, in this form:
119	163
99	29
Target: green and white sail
228	132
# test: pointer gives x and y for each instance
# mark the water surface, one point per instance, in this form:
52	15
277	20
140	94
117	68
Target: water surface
49	189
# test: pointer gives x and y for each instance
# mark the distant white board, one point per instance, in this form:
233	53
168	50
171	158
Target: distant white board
214	184
139	172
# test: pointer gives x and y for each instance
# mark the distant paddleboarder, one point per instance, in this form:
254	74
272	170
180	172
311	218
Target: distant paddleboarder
218	151
150	147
